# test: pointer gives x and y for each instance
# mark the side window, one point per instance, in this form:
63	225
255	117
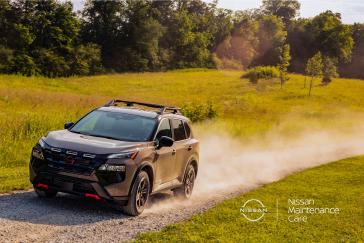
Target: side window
164	129
178	129
188	129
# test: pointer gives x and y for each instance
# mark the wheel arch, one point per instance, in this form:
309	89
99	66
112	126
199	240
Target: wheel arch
148	168
193	160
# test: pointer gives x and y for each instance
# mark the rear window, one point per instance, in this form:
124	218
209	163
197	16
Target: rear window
188	129
178	130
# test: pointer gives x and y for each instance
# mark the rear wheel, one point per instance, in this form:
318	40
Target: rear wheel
139	195
185	191
49	193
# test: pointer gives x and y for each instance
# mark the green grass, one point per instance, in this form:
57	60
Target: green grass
336	185
30	107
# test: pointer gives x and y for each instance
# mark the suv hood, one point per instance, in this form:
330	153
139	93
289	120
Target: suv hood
89	144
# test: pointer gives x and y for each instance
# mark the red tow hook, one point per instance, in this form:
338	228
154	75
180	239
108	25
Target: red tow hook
94	196
44	186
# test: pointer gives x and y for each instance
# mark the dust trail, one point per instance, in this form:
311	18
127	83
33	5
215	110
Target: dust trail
227	164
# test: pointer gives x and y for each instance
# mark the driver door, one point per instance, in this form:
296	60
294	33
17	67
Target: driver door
166	156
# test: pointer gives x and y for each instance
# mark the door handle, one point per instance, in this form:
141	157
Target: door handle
189	148
173	152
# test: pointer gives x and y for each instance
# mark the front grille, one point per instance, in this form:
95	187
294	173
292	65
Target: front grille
71	161
83	162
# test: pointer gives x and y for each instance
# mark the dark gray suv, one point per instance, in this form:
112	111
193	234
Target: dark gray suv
119	153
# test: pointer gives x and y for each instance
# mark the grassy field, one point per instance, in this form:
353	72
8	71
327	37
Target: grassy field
336	185
30	107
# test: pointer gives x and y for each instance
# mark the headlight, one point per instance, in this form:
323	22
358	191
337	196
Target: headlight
37	150
107	167
127	155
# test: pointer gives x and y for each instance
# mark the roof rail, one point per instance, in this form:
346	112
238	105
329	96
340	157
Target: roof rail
162	108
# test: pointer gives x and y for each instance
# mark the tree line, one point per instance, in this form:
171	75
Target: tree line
46	37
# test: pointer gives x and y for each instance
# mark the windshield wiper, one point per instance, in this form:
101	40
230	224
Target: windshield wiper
83	133
101	136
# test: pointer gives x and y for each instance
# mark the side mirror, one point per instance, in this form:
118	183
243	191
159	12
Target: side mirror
165	141
68	125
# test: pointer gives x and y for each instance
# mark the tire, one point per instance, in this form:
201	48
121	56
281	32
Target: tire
45	193
185	191
139	195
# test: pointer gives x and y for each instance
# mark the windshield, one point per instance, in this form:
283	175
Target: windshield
116	125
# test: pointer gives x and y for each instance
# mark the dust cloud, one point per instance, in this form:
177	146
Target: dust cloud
227	164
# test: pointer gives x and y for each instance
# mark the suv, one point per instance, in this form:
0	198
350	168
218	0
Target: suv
118	154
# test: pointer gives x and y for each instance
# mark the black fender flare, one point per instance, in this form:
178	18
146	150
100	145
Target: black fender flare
193	159
151	172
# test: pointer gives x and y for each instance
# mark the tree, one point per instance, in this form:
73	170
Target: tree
6	59
87	60
5	21
333	39
329	69
103	24
240	48
354	69
314	68
271	36
189	42
285	59
302	44
285	9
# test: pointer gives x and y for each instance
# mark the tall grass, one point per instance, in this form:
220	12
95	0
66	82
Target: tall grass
30	107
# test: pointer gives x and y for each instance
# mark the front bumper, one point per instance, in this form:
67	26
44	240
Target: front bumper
110	186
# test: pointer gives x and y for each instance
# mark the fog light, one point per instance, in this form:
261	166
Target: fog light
107	167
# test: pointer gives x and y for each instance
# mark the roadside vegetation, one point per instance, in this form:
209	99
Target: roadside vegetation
49	38
32	106
336	185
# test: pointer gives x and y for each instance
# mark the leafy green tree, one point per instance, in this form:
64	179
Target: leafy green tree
190	47
5	21
86	60
271	36
285	9
329	69
302	44
24	64
331	36
44	34
354	68
103	24
240	48
314	68
142	35
333	39
284	62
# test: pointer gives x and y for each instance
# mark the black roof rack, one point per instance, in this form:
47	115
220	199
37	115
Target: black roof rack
162	108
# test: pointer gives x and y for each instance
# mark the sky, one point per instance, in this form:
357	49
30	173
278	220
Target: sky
352	10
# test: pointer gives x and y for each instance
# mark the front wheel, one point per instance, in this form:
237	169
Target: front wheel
185	191
139	195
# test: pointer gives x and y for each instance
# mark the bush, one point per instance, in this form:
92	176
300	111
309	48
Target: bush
86	60
225	63
199	112
261	72
51	63
25	65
